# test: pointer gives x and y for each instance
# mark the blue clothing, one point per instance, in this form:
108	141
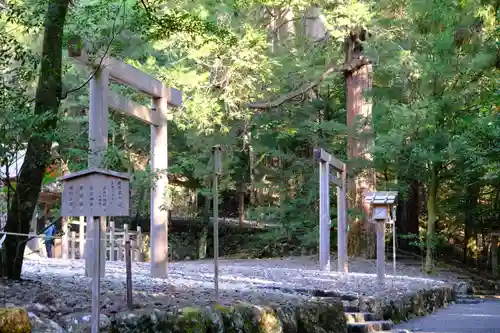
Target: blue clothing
49	234
48	247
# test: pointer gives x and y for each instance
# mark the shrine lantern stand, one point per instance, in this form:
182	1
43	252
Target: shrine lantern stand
383	211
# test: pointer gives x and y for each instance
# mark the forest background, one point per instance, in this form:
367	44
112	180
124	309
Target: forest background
405	91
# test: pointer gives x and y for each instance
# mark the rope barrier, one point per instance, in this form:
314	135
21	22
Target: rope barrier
33	236
38	235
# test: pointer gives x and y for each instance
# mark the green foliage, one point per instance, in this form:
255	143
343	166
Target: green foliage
435	99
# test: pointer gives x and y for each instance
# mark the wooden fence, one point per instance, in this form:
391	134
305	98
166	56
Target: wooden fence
115	244
71	245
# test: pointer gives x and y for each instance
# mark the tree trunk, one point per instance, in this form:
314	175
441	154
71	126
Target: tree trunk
37	157
407	213
202	237
314	24
358	82
472	195
241	205
431	218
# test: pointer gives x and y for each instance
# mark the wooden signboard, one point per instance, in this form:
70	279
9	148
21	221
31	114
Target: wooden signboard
95	192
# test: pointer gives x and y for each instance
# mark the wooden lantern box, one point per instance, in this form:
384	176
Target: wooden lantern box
381	203
95	192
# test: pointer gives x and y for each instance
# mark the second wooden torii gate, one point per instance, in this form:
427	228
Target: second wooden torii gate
340	180
101	98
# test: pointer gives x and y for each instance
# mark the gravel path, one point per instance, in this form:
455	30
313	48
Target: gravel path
59	286
459	318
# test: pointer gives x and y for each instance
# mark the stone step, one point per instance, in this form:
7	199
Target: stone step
468	301
370	326
490	296
350	308
486	292
359	317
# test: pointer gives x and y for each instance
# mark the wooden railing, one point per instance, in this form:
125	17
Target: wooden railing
115	243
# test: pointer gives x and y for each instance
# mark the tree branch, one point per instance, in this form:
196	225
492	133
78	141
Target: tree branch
114	34
355	64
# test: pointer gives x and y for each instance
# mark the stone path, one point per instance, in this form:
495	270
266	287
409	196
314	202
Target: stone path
483	317
191	282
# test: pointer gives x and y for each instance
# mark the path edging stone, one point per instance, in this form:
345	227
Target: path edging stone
307	317
411	305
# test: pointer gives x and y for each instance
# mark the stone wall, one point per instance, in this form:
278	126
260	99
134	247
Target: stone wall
315	315
309	317
408	306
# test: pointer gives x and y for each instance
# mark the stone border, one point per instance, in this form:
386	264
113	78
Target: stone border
323	312
409	306
306	317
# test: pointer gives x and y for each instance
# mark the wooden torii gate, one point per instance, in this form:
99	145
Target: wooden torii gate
340	180
101	98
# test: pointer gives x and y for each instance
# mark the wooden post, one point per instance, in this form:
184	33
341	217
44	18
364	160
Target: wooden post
139	244
96	276
65	239
494	255
98	141
216	151
394	241
112	240
342	224
103	240
119	251
125	234
33	232
128	265
133	248
324	216
123	240
159	194
381	252
81	236
73	245
89	244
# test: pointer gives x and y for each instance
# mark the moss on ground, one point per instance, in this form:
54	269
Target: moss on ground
14	320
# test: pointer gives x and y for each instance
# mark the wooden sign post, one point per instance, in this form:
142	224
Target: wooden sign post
107	68
216	151
97	193
340	180
381	204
